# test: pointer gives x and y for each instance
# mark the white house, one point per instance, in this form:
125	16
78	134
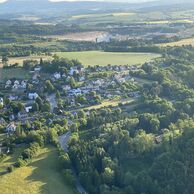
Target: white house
16	82
28	108
11	128
37	68
1	102
57	75
11	98
8	82
23	84
67	88
73	70
32	96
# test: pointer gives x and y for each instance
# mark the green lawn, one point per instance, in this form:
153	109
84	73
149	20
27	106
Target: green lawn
93	58
42	176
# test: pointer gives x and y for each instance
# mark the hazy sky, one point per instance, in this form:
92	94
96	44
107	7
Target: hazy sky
130	1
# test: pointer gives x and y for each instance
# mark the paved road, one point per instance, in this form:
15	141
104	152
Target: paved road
63	140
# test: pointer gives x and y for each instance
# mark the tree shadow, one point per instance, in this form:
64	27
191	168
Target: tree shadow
47	171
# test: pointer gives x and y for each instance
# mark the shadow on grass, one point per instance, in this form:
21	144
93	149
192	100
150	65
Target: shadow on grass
47	171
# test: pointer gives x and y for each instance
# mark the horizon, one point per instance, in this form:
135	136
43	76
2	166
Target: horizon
127	1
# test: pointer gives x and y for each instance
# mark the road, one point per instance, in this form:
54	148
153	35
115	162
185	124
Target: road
63	140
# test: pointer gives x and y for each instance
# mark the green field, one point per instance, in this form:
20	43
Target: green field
187	41
42	176
101	58
16	73
19	60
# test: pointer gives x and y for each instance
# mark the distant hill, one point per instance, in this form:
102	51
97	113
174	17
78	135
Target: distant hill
49	9
45	7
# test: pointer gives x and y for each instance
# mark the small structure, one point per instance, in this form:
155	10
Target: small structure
33	96
28	109
37	68
11	128
73	70
57	75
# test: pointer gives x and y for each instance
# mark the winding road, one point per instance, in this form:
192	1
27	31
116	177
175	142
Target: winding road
63	140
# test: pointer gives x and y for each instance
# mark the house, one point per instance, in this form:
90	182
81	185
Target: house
57	75
16	82
11	98
32	96
37	68
11	128
28	109
23	85
1	102
67	88
73	70
8	82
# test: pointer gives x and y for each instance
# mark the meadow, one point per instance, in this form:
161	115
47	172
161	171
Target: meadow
92	58
19	60
42	176
16	73
187	41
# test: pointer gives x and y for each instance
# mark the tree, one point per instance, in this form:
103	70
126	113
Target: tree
35	107
108	176
46	107
49	86
5	61
72	82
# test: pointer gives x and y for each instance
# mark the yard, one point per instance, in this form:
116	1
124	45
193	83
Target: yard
92	58
42	176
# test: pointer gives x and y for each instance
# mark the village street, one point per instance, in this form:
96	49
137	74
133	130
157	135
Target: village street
63	140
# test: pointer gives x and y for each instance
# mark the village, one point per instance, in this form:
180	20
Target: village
62	94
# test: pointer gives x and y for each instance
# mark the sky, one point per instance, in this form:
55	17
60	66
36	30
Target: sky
130	1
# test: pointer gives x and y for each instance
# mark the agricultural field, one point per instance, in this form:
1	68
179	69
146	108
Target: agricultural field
118	14
43	176
188	41
92	19
92	58
19	60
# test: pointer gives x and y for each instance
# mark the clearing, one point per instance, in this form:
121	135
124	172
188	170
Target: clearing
42	176
92	58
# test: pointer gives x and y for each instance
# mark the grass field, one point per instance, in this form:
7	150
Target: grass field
16	73
19	60
188	41
93	58
42	176
108	103
118	14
